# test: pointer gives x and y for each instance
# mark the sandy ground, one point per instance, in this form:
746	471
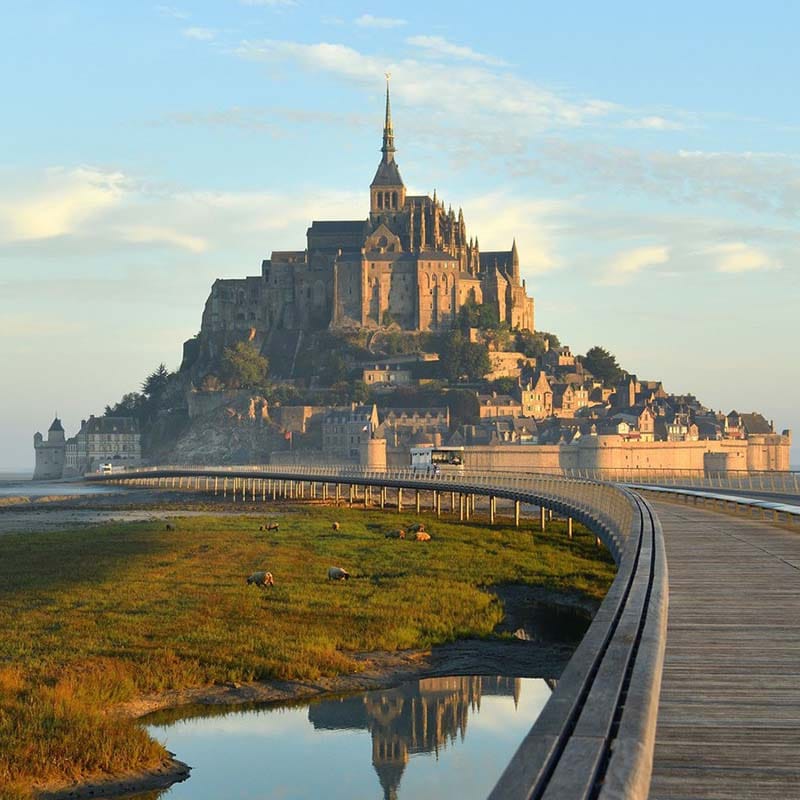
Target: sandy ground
514	658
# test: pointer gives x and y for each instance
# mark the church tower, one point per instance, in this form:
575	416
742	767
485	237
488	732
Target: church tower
387	191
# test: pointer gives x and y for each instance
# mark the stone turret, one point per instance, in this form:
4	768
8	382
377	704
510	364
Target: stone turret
50	454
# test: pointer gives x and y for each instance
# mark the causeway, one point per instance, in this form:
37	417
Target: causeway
729	713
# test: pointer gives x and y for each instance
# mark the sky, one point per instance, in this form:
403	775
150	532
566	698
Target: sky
645	156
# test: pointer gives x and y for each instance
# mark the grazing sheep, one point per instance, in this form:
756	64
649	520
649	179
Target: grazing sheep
401	534
261	579
421	536
272	526
338	574
416	527
336	526
170	527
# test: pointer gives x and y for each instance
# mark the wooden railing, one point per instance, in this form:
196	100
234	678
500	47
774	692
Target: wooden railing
595	737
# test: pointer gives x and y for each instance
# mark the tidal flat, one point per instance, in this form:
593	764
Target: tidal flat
101	624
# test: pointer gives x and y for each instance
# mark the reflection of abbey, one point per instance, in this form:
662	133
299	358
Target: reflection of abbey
409	263
418	717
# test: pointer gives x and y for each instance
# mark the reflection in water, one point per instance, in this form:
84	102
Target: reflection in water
432	738
419	717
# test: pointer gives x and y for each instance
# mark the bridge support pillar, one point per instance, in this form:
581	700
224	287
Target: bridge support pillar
416	501
224	487
542	517
338	493
516	513
492	501
351	494
399	499
569	527
383	497
437	498
461	508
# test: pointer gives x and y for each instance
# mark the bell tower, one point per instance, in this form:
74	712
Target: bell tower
387	191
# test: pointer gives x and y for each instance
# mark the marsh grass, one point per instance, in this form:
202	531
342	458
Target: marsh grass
92	618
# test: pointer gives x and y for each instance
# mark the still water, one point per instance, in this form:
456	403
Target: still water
431	738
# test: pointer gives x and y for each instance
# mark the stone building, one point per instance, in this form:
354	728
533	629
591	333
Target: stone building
409	263
103	440
50	454
345	429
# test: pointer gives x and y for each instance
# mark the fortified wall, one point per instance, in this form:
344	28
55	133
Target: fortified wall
767	452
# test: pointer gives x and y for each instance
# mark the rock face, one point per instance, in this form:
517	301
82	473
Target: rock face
235	432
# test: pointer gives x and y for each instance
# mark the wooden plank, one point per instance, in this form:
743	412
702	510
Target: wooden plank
729	712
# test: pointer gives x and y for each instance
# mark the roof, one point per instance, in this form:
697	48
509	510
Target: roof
755	423
503	258
349	227
387	175
56	426
107	425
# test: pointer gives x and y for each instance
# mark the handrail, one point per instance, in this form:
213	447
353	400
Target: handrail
790	511
594	739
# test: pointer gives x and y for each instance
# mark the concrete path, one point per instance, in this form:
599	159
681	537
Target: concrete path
729	715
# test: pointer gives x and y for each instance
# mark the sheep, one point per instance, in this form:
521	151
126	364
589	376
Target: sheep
261	579
421	536
401	534
338	574
170	527
336	526
271	526
416	527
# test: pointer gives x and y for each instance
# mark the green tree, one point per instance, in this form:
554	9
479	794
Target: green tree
603	365
460	357
156	383
244	367
534	345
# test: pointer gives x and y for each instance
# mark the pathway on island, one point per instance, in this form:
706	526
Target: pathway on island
729	713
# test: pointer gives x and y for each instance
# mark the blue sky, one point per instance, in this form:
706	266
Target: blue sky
646	158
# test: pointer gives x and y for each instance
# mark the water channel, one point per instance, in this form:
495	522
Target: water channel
430	738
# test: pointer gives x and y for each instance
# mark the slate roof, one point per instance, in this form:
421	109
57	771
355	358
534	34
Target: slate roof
755	423
343	227
107	425
387	175
56	426
504	258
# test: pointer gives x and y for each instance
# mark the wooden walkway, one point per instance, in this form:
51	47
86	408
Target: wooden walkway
729	715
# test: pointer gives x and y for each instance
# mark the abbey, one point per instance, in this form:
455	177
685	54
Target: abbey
409	263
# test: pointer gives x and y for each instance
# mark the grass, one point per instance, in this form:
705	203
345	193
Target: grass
92	618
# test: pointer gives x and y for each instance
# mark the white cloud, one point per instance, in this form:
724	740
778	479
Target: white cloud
654	123
736	257
173	13
270	3
498	218
762	182
154	234
370	21
627	264
201	34
474	97
60	201
438	45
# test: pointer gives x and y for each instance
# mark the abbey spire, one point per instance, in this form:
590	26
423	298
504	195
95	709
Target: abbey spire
388	133
387	191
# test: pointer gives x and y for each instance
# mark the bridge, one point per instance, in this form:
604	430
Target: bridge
703	702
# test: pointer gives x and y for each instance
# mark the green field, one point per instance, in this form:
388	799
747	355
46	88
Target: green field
92	618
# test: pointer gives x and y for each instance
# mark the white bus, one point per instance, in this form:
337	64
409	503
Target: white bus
437	459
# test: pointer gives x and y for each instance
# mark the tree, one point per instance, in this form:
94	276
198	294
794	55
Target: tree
603	365
460	357
156	383
533	345
244	367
